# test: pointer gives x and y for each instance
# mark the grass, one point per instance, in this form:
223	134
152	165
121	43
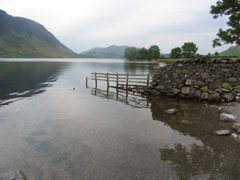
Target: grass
168	60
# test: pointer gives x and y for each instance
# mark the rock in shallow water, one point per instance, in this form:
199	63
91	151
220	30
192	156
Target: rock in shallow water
227	117
234	135
9	175
13	175
236	126
222	132
171	111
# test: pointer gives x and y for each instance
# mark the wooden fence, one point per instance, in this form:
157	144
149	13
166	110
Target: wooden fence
121	81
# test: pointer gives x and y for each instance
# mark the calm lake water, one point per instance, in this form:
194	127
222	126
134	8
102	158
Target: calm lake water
50	131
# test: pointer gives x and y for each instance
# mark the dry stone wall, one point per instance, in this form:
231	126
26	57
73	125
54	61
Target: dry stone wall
200	79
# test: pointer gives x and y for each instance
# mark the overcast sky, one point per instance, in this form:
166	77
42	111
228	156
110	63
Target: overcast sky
84	24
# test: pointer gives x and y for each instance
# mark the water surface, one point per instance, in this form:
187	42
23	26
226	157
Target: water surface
50	131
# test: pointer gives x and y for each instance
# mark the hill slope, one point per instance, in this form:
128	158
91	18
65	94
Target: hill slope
108	52
232	51
20	37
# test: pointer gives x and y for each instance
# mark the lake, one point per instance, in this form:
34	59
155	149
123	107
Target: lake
51	131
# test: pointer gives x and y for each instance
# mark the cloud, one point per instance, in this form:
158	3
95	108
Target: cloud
82	24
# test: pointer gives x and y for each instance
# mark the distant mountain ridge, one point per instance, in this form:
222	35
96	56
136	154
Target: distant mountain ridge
21	37
232	51
108	52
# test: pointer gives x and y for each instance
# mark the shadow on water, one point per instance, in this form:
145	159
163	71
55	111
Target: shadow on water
25	79
216	158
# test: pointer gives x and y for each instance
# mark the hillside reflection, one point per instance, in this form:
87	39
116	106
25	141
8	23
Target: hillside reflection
25	79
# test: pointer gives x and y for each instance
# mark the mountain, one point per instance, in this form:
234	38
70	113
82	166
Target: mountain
232	51
108	52
20	37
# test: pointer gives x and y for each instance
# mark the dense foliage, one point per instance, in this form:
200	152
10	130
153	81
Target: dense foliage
230	8
189	49
133	53
176	52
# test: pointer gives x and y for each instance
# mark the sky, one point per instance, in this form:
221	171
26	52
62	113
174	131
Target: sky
85	24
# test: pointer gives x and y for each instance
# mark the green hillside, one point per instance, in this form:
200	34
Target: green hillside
108	52
20	37
232	51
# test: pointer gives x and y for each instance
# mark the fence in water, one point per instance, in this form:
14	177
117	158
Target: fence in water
127	85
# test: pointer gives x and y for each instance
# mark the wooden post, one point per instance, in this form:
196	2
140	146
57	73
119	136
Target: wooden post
117	86
148	80
95	80
127	88
86	82
107	86
127	82
107	81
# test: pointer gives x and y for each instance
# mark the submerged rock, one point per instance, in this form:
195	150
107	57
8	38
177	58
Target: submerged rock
9	175
186	122
13	175
222	132
234	135
236	126
171	111
227	117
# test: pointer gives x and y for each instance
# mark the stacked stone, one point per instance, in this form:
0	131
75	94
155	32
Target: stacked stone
201	79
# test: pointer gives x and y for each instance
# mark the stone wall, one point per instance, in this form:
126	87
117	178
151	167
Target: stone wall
200	79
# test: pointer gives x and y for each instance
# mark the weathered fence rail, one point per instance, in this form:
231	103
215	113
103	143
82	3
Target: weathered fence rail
121	81
129	86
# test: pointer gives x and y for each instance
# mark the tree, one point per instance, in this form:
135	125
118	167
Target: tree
131	53
143	53
176	52
154	52
189	49
231	8
216	54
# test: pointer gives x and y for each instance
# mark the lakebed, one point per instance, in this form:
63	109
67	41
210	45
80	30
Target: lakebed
53	127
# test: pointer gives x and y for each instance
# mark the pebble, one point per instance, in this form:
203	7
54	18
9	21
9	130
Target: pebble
171	111
222	132
186	122
236	126
234	135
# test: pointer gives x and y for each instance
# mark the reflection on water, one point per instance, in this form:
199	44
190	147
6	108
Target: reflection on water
133	99
61	133
19	80
217	158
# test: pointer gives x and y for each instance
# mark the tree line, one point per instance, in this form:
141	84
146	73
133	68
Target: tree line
188	50
231	35
133	53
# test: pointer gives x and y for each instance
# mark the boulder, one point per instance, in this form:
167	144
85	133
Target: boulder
214	96
227	117
204	96
204	88
187	90
228	97
205	75
227	86
189	82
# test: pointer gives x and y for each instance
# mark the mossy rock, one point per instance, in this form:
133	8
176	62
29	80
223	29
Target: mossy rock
204	88
227	86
